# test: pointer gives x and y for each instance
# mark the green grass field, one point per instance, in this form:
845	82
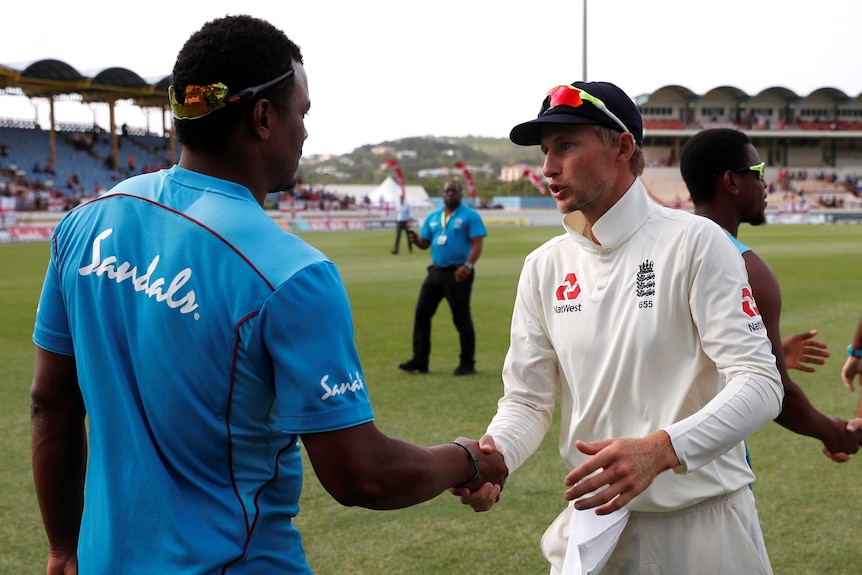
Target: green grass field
809	507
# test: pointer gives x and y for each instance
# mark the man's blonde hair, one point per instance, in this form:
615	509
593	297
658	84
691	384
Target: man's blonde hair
637	162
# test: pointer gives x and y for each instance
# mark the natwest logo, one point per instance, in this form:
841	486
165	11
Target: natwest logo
749	306
570	288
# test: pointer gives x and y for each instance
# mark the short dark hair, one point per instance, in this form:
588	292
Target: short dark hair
709	154
240	52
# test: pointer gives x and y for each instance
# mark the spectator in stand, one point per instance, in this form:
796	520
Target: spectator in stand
724	175
73	181
191	460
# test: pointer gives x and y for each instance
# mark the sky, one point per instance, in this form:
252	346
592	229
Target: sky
383	70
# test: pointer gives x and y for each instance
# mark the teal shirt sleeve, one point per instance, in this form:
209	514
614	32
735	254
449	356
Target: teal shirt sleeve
52	331
307	328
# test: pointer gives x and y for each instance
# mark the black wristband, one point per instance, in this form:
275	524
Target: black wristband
473	459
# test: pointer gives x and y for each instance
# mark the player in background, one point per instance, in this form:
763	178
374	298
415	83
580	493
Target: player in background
725	178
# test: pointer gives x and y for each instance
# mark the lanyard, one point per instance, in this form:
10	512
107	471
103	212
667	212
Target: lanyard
444	219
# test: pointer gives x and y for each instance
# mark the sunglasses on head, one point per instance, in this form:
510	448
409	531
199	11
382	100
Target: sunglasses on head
201	100
565	95
757	168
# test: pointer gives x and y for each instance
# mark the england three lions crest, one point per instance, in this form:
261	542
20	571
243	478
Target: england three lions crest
645	282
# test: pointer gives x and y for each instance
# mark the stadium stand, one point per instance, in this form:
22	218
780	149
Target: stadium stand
787	191
83	157
665	186
815	132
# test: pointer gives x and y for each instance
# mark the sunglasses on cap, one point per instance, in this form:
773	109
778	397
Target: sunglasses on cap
757	168
201	100
565	95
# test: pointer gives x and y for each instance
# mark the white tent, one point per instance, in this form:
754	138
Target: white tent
389	193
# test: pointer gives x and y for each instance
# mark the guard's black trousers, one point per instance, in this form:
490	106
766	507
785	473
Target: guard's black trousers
439	284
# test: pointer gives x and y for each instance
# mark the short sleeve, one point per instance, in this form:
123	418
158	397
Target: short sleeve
307	329
477	226
51	331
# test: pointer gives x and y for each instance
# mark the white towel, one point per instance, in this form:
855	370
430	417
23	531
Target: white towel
592	539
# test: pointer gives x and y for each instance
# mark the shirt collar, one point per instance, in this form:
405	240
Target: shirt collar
618	223
209	183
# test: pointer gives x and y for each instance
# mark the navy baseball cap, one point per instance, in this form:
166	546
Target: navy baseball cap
596	103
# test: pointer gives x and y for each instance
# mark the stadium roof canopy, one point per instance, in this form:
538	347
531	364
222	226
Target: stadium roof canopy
53	79
50	78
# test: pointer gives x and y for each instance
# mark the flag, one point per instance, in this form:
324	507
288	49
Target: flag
536	181
399	176
467	178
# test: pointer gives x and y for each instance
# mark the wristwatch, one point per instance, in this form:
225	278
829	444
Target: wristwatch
854	352
469	265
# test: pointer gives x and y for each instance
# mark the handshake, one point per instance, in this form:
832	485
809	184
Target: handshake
483	490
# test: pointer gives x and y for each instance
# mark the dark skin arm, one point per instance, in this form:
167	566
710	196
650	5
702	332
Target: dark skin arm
418	241
361	466
369	469
797	413
59	455
464	272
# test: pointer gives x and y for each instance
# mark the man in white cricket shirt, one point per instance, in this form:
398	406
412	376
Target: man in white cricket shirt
642	317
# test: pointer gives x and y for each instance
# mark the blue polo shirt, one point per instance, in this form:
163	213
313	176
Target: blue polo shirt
452	239
207	339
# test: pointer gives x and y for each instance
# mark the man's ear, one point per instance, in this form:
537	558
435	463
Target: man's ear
728	180
262	118
627	145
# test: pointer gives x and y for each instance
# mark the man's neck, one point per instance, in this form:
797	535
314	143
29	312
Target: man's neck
728	223
218	166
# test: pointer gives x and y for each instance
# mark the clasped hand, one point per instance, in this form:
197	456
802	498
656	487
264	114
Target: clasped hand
482	493
852	433
617	471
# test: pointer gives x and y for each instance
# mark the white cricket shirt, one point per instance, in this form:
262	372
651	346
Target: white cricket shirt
653	329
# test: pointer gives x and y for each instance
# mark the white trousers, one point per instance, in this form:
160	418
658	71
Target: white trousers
717	536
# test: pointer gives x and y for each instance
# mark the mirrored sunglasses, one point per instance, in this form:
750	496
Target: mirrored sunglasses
565	95
201	100
757	168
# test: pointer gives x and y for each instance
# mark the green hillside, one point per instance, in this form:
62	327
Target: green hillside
484	156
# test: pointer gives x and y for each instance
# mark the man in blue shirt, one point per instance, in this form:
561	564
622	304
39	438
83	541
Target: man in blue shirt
202	344
455	234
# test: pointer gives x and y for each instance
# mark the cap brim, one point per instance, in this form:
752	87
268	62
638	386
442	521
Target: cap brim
530	133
